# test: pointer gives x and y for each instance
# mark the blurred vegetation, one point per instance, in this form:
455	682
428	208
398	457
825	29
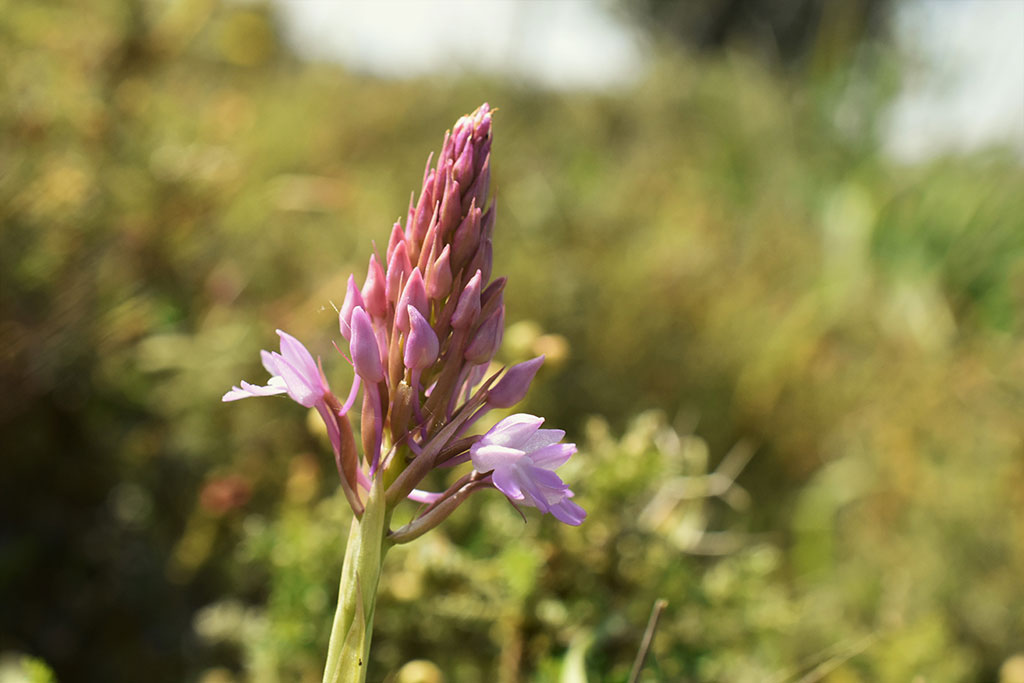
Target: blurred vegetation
719	243
793	33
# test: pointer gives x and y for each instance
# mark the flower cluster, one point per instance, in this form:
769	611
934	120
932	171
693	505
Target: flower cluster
422	331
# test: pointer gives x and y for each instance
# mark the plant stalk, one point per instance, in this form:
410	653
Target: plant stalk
349	648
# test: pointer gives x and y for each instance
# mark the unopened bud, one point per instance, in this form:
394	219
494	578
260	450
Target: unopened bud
492	297
463	168
414	294
397	235
451	208
463	134
398	268
352	299
373	290
364	349
468	308
487	339
487	222
431	240
442	176
417	225
439	276
511	388
483	260
421	347
481	183
467	235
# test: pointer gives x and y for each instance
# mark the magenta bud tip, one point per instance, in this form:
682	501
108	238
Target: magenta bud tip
512	388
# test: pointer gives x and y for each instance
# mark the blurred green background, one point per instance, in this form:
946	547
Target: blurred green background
794	366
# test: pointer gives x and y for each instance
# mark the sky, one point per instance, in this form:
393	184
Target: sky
967	92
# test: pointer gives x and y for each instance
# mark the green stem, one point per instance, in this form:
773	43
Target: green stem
349	648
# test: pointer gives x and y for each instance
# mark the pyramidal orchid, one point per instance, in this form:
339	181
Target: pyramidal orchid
421	332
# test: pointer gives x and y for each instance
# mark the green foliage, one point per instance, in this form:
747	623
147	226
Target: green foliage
24	669
713	242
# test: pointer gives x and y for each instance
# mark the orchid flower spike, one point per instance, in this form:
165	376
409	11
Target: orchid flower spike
422	330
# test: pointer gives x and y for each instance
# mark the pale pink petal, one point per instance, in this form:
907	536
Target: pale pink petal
487	457
299	386
550	485
418	496
553	456
543	437
299	357
247	390
514	430
568	512
270	361
533	493
505	481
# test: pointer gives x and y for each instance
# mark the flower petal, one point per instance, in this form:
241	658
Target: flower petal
568	512
543	437
514	430
299	357
505	480
550	485
487	457
269	359
301	390
533	492
247	390
553	456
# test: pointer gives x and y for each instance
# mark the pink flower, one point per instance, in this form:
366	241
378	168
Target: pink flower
293	371
522	458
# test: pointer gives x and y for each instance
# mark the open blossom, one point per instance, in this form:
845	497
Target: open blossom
293	371
522	458
422	332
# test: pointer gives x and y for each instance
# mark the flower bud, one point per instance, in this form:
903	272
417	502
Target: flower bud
439	276
467	235
442	176
492	297
483	260
352	299
415	295
482	154
468	308
396	236
511	388
421	347
487	222
481	183
463	134
463	168
447	148
451	208
364	349
420	220
431	240
482	120
373	290
399	267
487	339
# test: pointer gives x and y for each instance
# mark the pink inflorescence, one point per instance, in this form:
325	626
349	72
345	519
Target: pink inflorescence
422	331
